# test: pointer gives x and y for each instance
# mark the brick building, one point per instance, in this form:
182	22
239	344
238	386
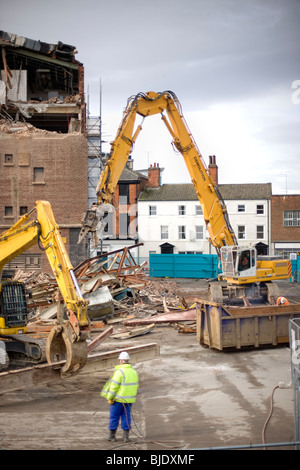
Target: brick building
43	144
285	224
122	227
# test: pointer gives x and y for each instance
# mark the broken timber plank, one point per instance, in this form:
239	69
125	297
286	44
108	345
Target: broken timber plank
135	332
171	317
43	373
99	339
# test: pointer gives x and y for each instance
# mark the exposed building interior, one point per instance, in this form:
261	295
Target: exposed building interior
41	84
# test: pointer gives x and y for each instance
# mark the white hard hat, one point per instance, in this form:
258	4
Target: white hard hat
124	355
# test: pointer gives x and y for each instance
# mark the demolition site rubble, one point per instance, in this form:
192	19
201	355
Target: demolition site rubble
123	301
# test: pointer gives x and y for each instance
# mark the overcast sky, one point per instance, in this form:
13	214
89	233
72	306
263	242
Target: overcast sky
233	64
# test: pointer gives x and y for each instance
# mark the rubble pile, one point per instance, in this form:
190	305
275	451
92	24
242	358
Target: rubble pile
8	126
119	294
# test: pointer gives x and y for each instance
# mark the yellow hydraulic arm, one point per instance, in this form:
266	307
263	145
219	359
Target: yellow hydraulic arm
67	340
213	206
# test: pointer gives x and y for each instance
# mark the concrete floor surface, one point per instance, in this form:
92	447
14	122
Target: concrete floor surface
190	397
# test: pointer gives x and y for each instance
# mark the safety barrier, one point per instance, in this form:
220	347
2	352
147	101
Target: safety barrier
294	332
184	266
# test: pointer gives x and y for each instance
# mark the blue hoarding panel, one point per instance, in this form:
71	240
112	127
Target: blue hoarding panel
184	266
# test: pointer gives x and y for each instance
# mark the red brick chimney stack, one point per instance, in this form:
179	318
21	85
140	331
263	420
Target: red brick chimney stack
154	176
213	169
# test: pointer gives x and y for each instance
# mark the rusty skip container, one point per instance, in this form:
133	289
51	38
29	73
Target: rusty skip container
221	327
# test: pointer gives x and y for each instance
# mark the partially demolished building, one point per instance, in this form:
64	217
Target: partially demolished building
43	144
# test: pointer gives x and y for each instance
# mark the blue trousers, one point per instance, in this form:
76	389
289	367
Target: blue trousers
117	411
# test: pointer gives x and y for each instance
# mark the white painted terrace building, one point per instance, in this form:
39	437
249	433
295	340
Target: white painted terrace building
170	218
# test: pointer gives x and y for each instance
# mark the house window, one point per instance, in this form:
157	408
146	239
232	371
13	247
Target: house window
23	210
8	211
241	232
38	175
8	159
198	210
33	261
241	207
199	232
260	209
164	232
181	210
124	191
152	210
260	232
181	232
291	218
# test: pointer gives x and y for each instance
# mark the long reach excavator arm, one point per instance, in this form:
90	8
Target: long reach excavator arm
67	340
214	209
240	264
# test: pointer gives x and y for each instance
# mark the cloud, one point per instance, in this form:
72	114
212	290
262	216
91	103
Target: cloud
230	62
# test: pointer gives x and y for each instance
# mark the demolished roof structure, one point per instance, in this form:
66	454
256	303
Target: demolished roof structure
41	84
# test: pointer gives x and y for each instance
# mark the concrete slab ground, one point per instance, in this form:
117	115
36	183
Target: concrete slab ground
189	398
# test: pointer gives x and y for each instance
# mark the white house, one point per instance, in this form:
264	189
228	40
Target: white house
170	218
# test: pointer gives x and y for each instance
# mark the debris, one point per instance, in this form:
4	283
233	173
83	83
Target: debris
188	327
100	303
119	294
172	317
99	339
134	332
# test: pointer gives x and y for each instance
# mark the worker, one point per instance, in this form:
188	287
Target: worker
282	301
121	391
244	262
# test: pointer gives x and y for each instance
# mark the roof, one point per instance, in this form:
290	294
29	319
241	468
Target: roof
59	51
186	192
246	191
130	176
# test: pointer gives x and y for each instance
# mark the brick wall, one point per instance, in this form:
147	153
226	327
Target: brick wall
279	204
64	182
134	191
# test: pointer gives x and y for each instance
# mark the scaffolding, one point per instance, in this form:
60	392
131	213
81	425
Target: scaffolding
95	158
294	327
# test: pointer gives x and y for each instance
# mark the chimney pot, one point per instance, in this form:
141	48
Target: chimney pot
213	169
154	176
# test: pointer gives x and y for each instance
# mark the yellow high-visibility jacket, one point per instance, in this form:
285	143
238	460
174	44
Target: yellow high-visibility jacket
123	385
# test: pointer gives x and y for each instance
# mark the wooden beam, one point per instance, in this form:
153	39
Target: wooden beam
172	316
100	338
43	373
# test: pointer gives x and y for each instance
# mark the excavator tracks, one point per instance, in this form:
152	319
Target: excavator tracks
22	348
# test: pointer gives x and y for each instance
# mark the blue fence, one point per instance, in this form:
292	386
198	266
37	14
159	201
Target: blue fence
195	266
184	266
296	269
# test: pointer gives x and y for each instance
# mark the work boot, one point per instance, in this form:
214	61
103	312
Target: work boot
112	436
126	436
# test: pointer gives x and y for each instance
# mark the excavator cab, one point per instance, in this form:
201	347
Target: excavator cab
13	308
238	262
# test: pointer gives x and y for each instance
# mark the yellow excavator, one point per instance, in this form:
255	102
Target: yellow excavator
67	341
244	275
